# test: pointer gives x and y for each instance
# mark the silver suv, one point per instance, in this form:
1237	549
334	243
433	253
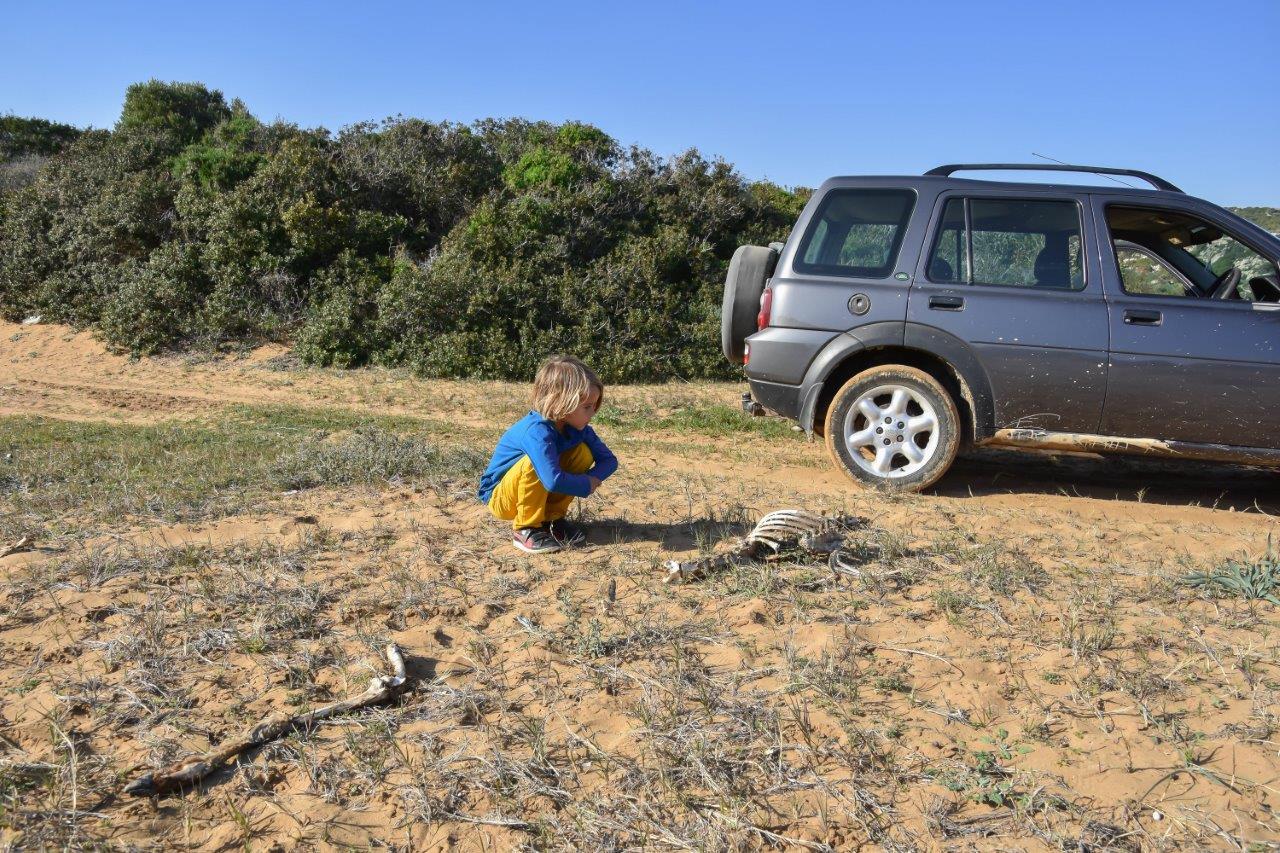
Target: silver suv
908	316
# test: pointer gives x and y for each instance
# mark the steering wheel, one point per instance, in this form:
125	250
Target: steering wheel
1224	286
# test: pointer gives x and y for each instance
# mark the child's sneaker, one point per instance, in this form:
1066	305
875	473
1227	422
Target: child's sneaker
535	540
566	534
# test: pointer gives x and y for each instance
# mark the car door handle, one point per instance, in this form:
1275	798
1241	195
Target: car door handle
1140	317
946	303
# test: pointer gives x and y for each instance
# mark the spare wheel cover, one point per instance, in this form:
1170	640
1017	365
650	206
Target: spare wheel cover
749	269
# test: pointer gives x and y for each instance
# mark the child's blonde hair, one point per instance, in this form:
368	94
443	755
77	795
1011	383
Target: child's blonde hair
561	385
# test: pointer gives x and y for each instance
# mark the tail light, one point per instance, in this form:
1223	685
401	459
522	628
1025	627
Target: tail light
766	308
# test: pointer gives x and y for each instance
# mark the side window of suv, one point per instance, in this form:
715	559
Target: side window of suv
856	233
1141	271
1202	256
950	259
1009	242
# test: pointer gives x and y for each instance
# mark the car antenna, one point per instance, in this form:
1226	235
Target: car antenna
1099	174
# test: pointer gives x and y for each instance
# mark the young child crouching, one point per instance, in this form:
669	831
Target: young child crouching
549	457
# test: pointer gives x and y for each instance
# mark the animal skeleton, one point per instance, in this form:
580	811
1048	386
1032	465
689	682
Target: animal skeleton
785	529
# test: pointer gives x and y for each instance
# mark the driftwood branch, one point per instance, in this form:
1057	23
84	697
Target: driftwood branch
23	544
187	772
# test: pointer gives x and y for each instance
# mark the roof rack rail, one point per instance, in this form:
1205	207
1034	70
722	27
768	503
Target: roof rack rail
1155	181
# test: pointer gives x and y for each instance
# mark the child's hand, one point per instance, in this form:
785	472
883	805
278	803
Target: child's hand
595	483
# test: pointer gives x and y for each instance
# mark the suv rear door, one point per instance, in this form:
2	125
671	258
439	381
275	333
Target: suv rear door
1185	366
1008	274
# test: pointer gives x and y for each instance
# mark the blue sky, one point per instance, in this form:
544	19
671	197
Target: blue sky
794	92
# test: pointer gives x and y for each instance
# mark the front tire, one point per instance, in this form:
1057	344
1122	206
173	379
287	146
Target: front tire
893	427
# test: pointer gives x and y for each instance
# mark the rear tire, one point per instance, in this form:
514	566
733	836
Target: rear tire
893	427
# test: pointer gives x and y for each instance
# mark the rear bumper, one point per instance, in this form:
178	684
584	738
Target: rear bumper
782	355
780	360
776	397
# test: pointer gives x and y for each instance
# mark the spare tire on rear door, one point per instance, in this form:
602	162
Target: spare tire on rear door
748	271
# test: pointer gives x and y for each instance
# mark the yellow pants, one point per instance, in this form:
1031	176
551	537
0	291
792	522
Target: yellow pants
521	498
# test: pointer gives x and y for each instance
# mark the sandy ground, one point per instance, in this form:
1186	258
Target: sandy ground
1039	680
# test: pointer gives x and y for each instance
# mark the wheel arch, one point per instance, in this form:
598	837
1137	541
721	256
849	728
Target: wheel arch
951	362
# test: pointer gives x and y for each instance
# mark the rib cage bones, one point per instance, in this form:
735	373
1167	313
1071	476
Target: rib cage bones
784	529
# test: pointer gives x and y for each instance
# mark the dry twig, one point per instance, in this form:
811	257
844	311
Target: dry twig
906	651
191	770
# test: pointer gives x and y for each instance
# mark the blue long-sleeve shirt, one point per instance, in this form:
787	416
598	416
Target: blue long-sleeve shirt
536	437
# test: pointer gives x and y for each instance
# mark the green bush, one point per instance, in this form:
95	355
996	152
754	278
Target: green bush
228	154
340	327
104	202
459	250
33	136
428	174
180	112
150	306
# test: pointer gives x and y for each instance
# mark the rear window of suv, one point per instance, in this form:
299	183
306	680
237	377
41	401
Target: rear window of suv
1011	242
856	233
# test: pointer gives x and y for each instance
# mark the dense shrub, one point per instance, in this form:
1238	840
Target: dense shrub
26	144
460	250
152	304
179	112
430	175
1266	217
105	202
23	137
620	257
19	172
341	325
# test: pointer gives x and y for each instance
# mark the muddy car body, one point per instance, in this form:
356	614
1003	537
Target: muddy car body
907	316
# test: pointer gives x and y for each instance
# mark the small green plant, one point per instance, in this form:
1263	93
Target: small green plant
591	643
892	684
1256	580
984	778
1001	747
1085	638
255	644
1005	571
951	602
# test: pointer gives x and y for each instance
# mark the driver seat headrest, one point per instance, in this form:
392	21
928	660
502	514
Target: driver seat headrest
940	270
1052	269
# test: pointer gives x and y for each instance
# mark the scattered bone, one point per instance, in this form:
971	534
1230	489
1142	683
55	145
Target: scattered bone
785	529
842	563
191	770
23	544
